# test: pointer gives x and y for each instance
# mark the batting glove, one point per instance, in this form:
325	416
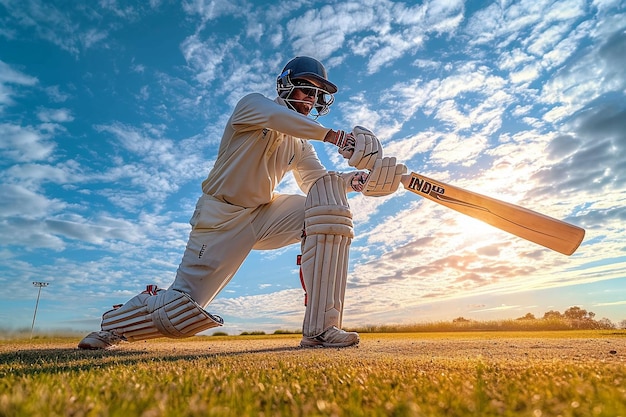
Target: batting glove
367	149
361	147
385	177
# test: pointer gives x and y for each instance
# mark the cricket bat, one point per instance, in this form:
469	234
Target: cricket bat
538	228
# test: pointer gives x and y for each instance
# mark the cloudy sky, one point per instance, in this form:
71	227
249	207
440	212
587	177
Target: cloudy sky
111	114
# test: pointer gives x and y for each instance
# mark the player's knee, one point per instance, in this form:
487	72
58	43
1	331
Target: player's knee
326	208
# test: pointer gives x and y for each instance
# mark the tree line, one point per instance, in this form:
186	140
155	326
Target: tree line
574	317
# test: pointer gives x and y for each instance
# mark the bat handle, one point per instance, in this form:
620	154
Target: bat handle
406	180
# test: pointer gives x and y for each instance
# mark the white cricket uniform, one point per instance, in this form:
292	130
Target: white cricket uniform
239	209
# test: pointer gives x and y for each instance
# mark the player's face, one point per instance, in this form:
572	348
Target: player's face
304	99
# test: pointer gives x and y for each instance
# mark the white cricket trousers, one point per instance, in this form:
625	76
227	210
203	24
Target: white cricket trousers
223	235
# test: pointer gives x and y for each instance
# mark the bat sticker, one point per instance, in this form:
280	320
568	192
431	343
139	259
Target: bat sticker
423	186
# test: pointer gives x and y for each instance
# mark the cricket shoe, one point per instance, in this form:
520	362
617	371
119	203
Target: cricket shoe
332	337
100	340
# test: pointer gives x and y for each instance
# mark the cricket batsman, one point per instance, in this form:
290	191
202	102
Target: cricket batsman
239	211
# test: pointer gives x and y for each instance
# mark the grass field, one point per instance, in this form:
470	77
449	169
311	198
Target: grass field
538	374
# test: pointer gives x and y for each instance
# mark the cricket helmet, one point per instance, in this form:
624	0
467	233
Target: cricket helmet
304	70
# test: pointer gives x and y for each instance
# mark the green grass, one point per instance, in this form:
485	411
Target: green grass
572	373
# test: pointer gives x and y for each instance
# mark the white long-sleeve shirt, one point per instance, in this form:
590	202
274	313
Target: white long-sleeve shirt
262	141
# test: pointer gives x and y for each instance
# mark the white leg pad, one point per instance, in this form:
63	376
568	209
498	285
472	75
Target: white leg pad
164	313
325	249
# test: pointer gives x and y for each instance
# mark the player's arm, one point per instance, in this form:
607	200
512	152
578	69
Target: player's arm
256	110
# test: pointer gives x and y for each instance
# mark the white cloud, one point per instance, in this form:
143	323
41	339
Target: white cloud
16	197
127	12
92	37
56	95
204	56
454	149
319	33
55	115
395	46
597	72
52	24
212	9
23	144
613	303
9	75
444	16
510	60
322	32
527	74
33	175
544	40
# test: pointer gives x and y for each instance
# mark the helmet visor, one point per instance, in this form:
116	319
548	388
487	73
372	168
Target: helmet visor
323	98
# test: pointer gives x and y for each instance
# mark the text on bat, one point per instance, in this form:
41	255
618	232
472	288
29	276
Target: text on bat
423	186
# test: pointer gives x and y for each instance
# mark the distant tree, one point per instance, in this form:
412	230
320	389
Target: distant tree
552	315
460	320
605	323
528	316
582	319
577	313
281	331
622	324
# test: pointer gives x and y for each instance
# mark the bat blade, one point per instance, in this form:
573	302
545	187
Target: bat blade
536	227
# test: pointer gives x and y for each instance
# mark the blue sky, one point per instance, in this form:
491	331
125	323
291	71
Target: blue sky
111	114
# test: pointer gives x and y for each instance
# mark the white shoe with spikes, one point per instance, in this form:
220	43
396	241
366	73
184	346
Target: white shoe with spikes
332	337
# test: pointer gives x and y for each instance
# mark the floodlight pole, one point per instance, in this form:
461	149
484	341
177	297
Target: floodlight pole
40	285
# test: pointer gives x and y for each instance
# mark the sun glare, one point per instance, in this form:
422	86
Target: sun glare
473	229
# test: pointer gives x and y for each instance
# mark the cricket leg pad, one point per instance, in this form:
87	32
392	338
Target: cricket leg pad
159	313
328	232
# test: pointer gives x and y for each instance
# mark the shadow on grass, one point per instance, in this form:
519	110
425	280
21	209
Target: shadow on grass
30	362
